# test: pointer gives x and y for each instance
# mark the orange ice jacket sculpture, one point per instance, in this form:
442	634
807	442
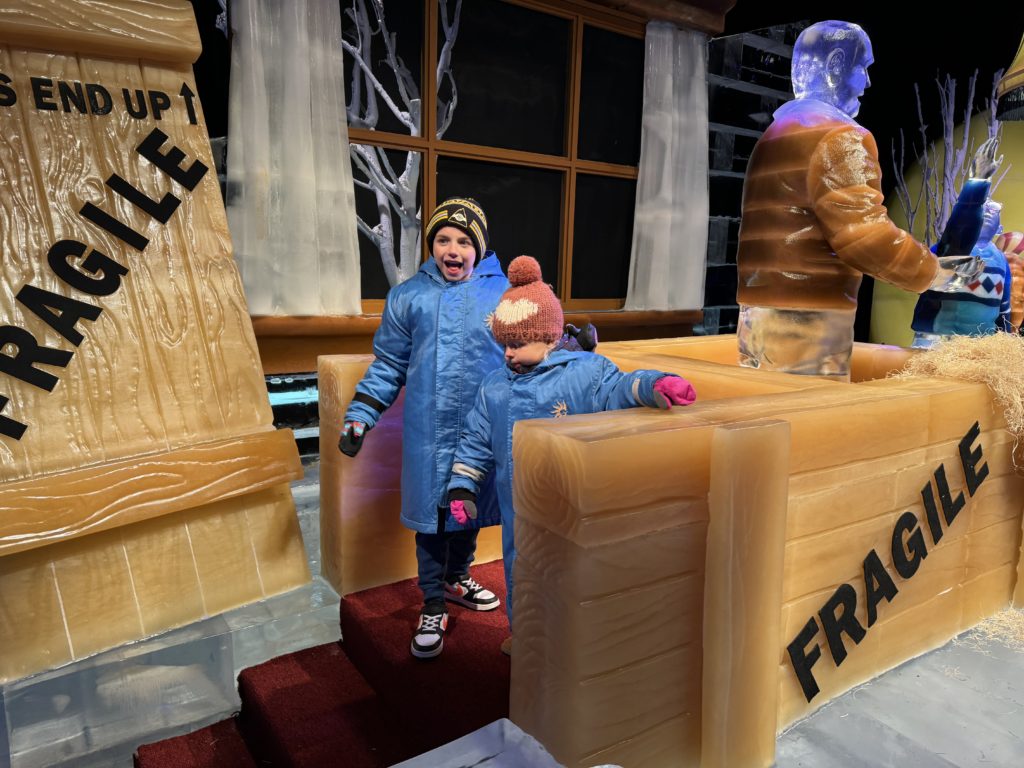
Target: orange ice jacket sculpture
814	219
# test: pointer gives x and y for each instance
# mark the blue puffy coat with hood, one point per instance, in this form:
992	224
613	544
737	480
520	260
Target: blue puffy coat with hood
563	384
434	339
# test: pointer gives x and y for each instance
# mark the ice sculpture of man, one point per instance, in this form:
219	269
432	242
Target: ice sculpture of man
979	308
813	219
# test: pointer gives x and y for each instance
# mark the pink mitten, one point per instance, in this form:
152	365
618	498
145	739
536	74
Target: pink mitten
673	390
459	512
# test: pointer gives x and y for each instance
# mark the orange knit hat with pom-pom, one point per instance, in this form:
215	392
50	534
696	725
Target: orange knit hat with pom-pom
529	310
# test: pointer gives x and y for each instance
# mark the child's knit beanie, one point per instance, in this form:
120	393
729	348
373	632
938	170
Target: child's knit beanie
462	213
529	310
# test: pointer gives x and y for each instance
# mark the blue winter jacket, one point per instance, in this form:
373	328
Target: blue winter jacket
564	384
435	340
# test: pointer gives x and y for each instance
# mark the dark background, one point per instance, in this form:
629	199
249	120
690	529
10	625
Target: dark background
912	44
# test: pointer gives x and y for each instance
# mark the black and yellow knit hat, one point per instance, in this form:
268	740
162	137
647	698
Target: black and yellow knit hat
462	213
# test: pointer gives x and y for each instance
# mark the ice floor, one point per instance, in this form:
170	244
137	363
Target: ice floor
961	705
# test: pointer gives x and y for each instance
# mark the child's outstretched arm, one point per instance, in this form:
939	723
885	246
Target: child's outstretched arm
383	380
474	458
615	390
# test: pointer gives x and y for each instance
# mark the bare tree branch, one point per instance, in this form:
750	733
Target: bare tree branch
408	89
446	110
902	190
363	227
396	196
941	177
403	116
358	117
355	90
367	161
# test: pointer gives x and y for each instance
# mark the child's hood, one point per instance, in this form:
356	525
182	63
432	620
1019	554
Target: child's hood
558	358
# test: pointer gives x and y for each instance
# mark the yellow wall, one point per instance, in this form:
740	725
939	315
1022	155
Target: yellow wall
892	308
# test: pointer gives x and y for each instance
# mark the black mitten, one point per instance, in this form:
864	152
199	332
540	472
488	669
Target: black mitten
351	438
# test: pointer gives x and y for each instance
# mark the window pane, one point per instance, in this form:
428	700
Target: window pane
602	236
523	207
373	279
611	97
510	66
405	21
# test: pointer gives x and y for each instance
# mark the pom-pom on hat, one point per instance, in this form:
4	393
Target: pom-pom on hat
529	310
462	213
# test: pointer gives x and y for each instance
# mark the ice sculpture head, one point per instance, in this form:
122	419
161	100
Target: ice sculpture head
991	221
830	64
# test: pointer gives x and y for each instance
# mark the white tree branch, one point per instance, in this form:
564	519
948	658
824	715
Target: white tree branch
370	233
358	117
446	110
367	161
403	117
408	90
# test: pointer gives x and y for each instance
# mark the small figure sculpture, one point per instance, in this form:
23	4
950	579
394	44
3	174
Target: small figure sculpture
980	307
813	217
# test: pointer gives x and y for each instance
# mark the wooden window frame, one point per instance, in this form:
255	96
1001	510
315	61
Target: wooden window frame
578	13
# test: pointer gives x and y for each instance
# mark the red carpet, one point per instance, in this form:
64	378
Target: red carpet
367	703
439	699
312	708
218	746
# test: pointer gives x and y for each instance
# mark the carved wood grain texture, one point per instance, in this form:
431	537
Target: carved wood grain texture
163	30
606	644
859	456
39	511
83	595
743	589
151	472
172	359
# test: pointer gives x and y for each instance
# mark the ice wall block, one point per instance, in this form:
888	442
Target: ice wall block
363	544
677	570
142	485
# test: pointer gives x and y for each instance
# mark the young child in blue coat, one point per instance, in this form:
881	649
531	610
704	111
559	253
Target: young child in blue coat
434	339
539	380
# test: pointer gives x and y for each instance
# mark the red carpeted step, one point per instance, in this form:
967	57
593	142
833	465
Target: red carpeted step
311	709
433	700
217	746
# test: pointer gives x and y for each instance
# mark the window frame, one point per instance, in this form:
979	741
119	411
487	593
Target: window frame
578	13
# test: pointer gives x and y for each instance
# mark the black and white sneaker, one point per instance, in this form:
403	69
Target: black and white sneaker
472	595
429	638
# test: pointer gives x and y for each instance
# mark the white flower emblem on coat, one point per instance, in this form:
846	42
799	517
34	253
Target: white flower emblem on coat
516	311
560	409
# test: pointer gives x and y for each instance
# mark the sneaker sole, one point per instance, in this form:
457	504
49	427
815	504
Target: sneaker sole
427	654
459	600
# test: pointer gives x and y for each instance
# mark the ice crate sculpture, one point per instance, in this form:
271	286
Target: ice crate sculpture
142	484
724	569
690	583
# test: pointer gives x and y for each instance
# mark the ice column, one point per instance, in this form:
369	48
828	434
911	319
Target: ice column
291	205
670	225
